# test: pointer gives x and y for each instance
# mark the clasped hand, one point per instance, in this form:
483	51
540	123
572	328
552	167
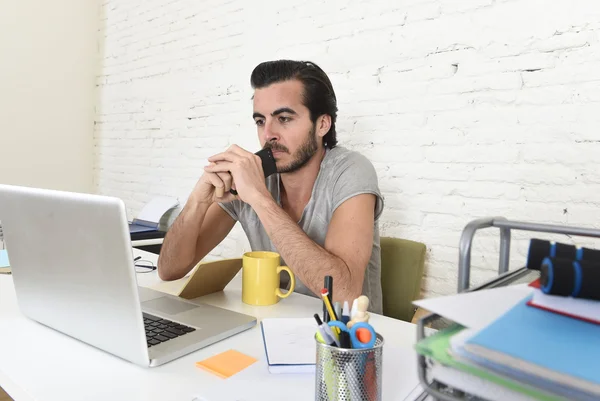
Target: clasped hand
246	170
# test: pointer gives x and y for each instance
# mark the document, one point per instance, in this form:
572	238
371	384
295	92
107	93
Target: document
290	344
476	309
155	209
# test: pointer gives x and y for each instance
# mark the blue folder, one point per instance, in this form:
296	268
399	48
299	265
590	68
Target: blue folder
138	228
142	226
547	340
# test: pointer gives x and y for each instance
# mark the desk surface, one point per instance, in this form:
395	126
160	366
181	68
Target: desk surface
38	363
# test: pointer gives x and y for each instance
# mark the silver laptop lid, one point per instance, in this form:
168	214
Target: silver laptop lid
72	266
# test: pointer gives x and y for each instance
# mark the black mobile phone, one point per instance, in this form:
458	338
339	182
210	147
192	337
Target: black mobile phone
268	164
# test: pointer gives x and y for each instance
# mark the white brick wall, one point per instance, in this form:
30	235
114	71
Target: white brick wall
467	108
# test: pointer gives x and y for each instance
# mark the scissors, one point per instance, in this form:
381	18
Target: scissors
362	334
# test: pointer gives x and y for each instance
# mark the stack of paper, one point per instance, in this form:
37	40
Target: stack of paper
578	308
149	217
503	349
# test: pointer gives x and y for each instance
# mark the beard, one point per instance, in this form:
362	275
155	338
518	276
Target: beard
302	156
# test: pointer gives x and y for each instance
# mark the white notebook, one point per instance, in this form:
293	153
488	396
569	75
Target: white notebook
290	344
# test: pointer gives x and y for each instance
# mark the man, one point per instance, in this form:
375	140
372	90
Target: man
319	212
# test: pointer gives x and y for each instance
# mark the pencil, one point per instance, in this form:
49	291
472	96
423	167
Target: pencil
324	295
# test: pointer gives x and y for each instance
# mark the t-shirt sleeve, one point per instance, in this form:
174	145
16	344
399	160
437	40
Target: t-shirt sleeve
356	175
231	208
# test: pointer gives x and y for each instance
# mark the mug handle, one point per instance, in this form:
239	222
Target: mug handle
292	282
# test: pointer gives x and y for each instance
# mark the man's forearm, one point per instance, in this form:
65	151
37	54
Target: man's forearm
178	250
309	261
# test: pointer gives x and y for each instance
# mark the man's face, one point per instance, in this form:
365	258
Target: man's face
284	125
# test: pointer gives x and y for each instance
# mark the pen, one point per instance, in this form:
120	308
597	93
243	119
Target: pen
331	334
329	285
337	308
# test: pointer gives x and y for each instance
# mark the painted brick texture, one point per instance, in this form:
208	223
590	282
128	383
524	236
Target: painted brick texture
467	108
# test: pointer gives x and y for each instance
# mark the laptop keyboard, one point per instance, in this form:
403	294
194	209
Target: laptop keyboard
159	330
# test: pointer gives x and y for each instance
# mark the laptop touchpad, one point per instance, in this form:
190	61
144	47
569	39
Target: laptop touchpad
168	306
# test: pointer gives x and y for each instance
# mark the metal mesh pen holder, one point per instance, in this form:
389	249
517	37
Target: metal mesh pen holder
349	374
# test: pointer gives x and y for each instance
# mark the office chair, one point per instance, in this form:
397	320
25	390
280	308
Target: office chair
402	265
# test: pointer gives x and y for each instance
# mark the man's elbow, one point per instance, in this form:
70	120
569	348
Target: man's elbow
356	278
163	274
167	274
349	292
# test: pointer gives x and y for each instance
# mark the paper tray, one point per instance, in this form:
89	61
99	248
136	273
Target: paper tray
505	277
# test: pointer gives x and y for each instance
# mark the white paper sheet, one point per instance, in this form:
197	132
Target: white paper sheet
476	309
585	308
155	209
290	341
476	385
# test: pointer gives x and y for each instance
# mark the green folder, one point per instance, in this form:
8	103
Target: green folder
436	347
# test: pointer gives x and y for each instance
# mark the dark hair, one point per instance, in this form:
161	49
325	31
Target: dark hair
319	97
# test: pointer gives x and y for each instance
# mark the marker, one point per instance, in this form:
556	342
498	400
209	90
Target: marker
346	313
325	332
319	337
329	285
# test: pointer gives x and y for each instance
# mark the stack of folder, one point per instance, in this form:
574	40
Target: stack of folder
530	346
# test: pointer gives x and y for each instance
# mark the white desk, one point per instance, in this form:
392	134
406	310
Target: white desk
40	364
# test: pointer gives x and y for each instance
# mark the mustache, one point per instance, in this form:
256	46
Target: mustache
276	146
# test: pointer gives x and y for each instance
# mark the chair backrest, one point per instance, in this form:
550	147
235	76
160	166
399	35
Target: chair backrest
402	265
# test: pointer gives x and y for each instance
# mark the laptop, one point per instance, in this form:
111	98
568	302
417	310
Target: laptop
73	271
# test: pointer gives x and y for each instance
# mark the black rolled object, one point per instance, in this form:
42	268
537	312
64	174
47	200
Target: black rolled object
564	277
557	276
588	255
563	251
589	280
538	250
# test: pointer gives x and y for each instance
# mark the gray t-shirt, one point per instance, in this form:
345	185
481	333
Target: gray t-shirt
343	174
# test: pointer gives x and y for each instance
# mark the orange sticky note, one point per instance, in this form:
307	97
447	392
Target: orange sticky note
227	363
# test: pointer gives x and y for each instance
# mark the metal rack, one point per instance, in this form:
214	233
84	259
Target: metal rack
440	391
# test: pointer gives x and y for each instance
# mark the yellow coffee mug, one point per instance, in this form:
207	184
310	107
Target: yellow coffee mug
260	278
